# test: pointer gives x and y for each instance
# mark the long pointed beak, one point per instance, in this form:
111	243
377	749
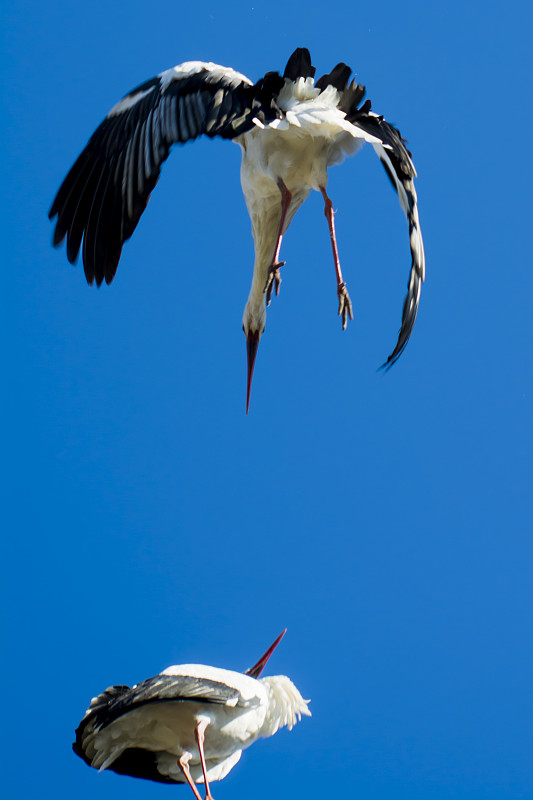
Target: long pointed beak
257	669
252	343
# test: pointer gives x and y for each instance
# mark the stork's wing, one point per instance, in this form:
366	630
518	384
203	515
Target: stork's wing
106	191
399	167
119	700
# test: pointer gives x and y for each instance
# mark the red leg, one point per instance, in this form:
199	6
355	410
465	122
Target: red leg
345	304
183	764
274	278
199	735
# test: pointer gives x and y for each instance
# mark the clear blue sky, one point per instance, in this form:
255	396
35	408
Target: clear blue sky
385	519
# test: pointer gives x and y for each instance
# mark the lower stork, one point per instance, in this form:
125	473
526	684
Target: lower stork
290	130
189	724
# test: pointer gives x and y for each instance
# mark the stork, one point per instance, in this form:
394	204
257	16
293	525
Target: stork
290	130
188	724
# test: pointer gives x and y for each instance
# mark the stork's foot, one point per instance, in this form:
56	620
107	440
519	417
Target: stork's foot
345	305
273	281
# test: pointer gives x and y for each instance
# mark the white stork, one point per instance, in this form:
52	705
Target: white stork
290	130
188	724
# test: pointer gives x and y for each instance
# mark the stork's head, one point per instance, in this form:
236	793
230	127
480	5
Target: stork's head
286	705
253	325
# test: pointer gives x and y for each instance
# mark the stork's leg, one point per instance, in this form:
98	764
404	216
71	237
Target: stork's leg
274	278
199	736
345	304
183	764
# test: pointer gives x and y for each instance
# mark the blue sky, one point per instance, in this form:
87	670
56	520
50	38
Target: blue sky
385	519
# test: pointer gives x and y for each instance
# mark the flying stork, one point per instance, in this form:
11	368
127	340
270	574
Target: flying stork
188	724
290	130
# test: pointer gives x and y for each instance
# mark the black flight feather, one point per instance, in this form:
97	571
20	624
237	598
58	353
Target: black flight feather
299	65
338	77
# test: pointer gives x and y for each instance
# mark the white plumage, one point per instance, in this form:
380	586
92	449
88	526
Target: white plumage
162	729
290	130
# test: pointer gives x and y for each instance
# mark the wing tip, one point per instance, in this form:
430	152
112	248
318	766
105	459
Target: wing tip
299	65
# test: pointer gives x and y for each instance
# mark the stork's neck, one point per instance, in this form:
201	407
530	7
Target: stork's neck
265	231
286	704
266	217
255	310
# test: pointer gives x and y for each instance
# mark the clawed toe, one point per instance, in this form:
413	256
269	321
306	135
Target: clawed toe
273	281
345	305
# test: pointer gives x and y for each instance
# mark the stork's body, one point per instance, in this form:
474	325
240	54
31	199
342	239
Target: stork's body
293	160
296	152
290	131
290	158
188	724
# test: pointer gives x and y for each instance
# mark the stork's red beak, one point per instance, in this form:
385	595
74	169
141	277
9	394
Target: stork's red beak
252	343
257	669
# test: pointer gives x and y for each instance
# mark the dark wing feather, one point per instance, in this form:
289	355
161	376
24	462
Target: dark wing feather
137	763
338	77
299	65
399	167
119	700
105	193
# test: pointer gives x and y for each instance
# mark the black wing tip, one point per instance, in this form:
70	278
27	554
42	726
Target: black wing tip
299	65
406	329
392	359
352	95
57	238
134	761
401	344
338	78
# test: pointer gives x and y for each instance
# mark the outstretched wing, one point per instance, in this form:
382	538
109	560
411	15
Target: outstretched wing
399	167
105	193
